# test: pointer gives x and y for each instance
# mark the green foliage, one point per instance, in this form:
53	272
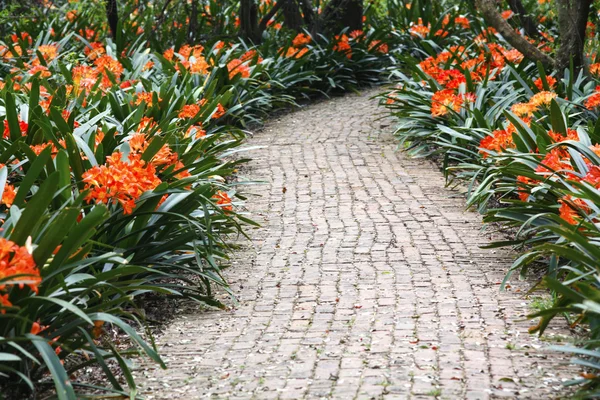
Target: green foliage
118	162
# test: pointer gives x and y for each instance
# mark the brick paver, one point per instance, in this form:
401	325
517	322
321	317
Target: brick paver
367	281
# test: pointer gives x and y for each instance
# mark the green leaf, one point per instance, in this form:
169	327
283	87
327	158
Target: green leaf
557	118
62	383
12	117
34	210
37	166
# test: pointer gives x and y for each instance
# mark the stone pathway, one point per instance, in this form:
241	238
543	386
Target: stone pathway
367	281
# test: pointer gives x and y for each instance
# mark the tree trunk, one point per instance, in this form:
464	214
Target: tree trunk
112	14
193	21
572	19
340	14
291	15
525	20
307	10
249	21
493	17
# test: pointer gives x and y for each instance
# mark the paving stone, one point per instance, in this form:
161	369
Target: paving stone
367	280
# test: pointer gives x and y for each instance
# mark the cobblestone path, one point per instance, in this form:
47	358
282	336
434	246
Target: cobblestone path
367	281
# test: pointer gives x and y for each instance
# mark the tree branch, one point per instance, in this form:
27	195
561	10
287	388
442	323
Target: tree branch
493	17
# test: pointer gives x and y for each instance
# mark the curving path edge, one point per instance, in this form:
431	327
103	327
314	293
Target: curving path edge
366	281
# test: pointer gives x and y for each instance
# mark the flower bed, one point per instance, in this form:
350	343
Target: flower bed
116	166
526	140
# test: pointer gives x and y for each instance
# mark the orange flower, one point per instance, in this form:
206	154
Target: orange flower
196	130
48	51
342	45
96	50
98	329
542	98
595	69
189	111
462	22
4	303
498	141
8	196
219	112
444	100
23	126
71	15
199	66
84	77
144	97
594	100
294	52
356	34
301	40
36	328
119	181
250	55
420	30
43	71
523	109
523	182
571	208
236	67
555	160
168	54
559	137
223	200
17	265
549	79
379	47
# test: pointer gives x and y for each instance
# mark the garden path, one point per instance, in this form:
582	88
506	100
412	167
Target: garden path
366	281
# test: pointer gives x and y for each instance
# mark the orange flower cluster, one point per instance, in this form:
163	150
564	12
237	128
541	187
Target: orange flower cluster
491	59
23	126
342	45
419	30
43	71
219	112
120	181
463	22
189	111
48	51
295	53
594	100
379	46
301	40
251	55
9	194
549	79
569	209
223	201
557	163
192	59
85	76
96	50
238	67
445	100
144	97
138	143
498	141
17	267
537	101
595	69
